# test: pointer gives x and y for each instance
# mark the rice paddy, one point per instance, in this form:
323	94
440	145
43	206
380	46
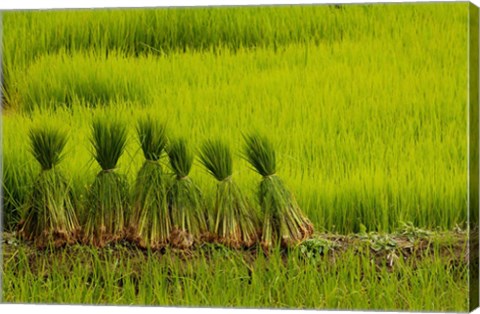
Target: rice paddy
359	123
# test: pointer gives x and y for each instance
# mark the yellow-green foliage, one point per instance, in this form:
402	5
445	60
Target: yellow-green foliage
366	106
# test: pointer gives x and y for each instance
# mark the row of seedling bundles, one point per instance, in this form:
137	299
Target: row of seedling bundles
162	209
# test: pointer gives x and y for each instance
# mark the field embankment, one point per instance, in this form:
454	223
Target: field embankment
403	271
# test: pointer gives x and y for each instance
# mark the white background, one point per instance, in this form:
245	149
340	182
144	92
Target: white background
48	4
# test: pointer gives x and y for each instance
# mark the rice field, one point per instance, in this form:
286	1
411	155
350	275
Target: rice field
365	106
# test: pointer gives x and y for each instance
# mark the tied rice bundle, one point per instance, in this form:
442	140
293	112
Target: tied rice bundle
49	218
185	198
150	222
107	199
235	222
283	221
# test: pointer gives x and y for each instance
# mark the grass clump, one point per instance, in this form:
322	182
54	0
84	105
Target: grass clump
235	220
185	198
150	221
107	202
49	218
16	183
283	221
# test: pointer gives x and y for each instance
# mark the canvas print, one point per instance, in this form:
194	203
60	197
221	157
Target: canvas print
298	156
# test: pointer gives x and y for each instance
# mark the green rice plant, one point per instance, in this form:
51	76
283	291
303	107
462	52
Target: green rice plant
398	154
17	178
185	198
135	32
150	221
107	197
283	221
64	82
235	222
49	218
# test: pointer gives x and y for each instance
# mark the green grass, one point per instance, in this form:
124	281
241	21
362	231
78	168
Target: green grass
227	278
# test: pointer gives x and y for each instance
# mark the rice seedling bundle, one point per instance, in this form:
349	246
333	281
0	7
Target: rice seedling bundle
150	220
108	195
49	218
235	222
283	221
185	198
